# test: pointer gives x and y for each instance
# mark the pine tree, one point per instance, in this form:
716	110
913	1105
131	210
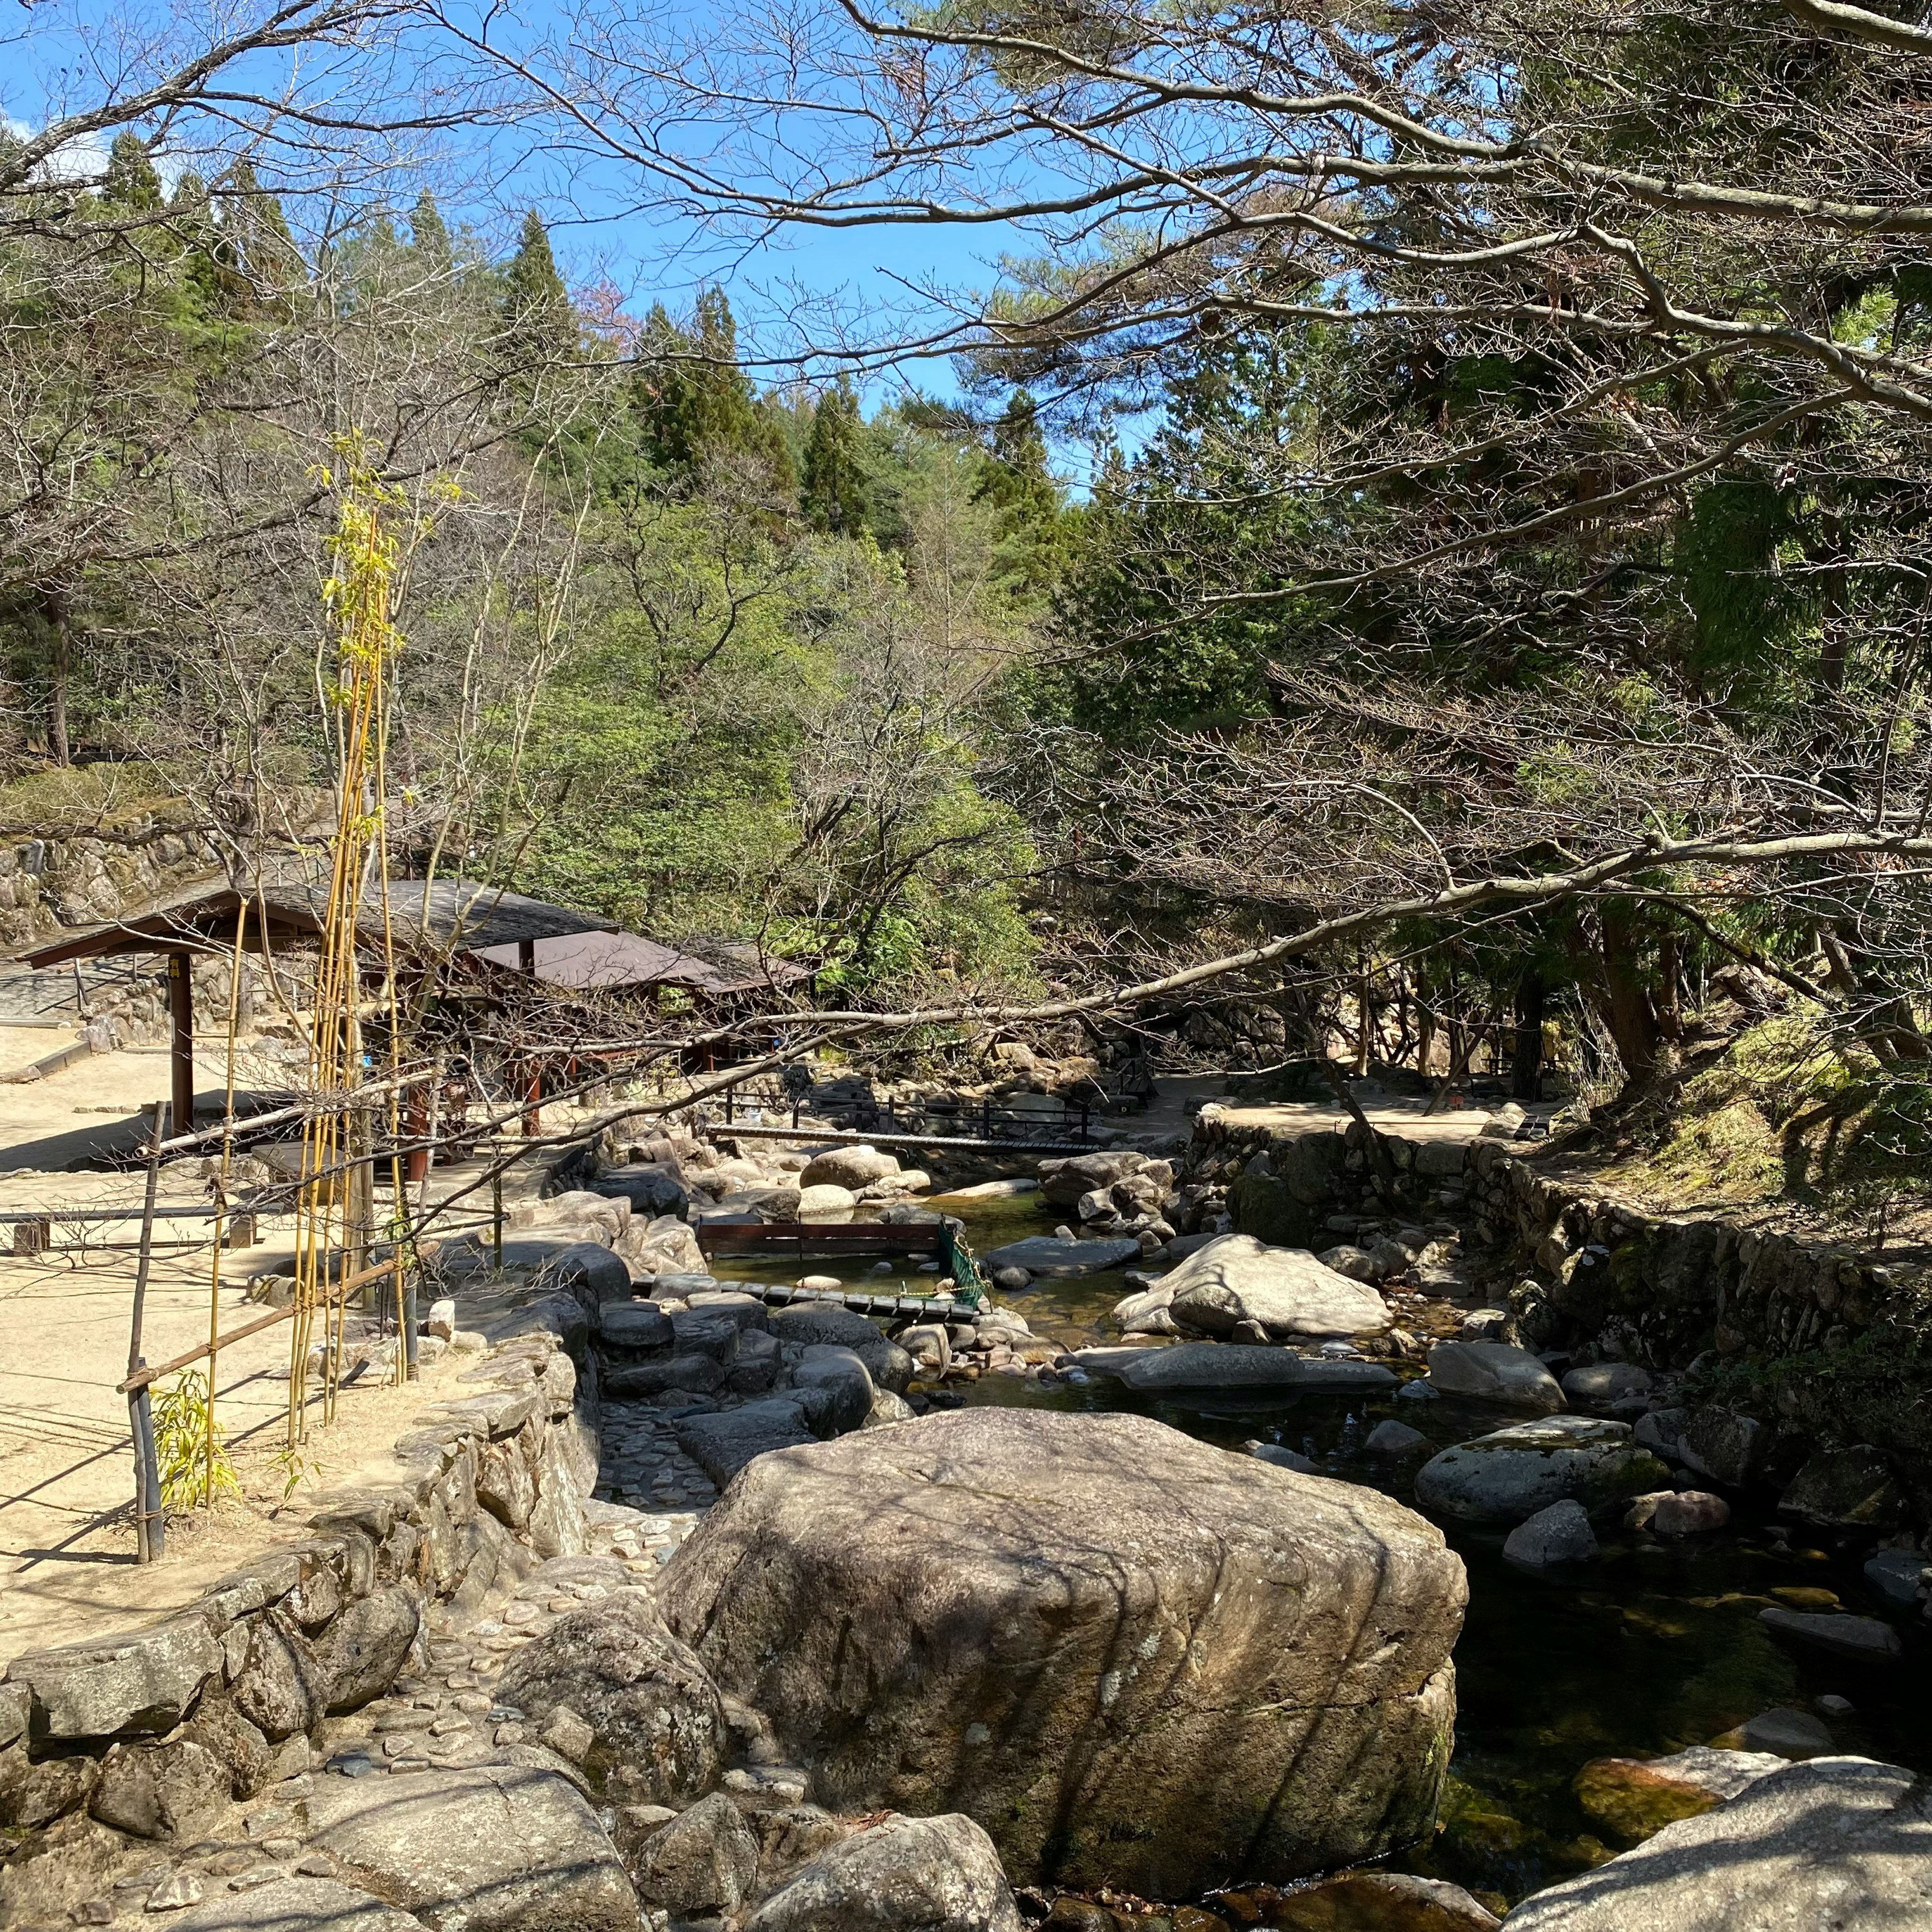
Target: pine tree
256	256
834	497
429	235
1014	478
131	182
535	303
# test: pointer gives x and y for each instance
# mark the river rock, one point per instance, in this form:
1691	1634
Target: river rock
1048	1254
1897	1575
907	1875
1236	1279
1494	1372
824	1202
639	1325
1790	1734
172	1790
1630	1799
1845	1489
1689	1513
835	1391
1863	1639
498	1848
653	1709
295	1905
1063	1182
702	1862
1725	1444
361	1652
1602	1383
1235	1365
1135	1658
1560	1534
1389	1442
1839	1843
848	1167
144	1682
721	1444
652	1187
1508	1476
814	1323
1381	1902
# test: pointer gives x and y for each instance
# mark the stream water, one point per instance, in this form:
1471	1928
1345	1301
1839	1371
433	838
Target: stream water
1640	1653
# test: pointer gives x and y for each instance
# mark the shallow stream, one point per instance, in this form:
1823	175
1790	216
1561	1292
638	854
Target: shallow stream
1640	1653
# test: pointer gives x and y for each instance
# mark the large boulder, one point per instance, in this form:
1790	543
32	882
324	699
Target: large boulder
657	1725
815	1324
1236	1279
1063	1183
1495	1371
144	1682
849	1167
721	1444
1841	1842
1845	1489
702	1862
653	1188
1134	1658
907	1875
499	1848
1725	1444
1507	1477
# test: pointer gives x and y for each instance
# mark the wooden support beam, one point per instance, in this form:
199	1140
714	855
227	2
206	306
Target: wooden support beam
181	1044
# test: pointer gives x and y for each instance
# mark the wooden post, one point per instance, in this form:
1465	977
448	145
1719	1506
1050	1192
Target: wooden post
150	1528
497	1217
181	1013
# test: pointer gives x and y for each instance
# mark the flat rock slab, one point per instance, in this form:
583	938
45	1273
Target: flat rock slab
141	1682
1863	1639
502	1848
1630	1799
1241	1365
1495	1371
295	1905
721	1444
1043	1254
1131	1657
1507	1476
1235	1278
1841	1842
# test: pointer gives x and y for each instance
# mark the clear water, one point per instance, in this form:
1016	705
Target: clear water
1640	1653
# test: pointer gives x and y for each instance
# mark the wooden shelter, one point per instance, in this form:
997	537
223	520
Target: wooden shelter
429	920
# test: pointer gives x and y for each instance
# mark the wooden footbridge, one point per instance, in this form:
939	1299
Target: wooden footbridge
939	1239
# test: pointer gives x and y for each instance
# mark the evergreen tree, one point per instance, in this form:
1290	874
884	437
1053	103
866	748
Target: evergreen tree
1014	478
257	256
429	235
834	497
690	398
535	304
131	183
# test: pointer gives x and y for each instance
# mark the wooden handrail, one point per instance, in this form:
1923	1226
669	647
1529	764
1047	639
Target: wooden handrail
141	1377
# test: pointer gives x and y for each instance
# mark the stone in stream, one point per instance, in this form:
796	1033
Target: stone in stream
1630	1799
835	1392
1791	1734
1727	1446
1506	1477
1134	1657
907	1875
1839	1843
499	1848
1689	1513
823	1201
1236	1279
1046	1254
1897	1575
815	1323
652	1706
1560	1534
1390	1441
1382	1902
1864	1639
295	1905
1495	1371
848	1167
1063	1182
1238	1365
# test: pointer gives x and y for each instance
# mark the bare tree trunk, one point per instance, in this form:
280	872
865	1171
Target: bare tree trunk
54	606
1526	1065
1623	997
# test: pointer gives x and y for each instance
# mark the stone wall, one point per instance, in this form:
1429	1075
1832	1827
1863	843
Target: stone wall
1829	1342
143	1734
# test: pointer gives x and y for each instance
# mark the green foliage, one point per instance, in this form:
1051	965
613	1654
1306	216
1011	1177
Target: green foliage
191	1477
834	496
536	307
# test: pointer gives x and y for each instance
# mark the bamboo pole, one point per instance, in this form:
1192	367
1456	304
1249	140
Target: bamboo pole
150	1526
221	1198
